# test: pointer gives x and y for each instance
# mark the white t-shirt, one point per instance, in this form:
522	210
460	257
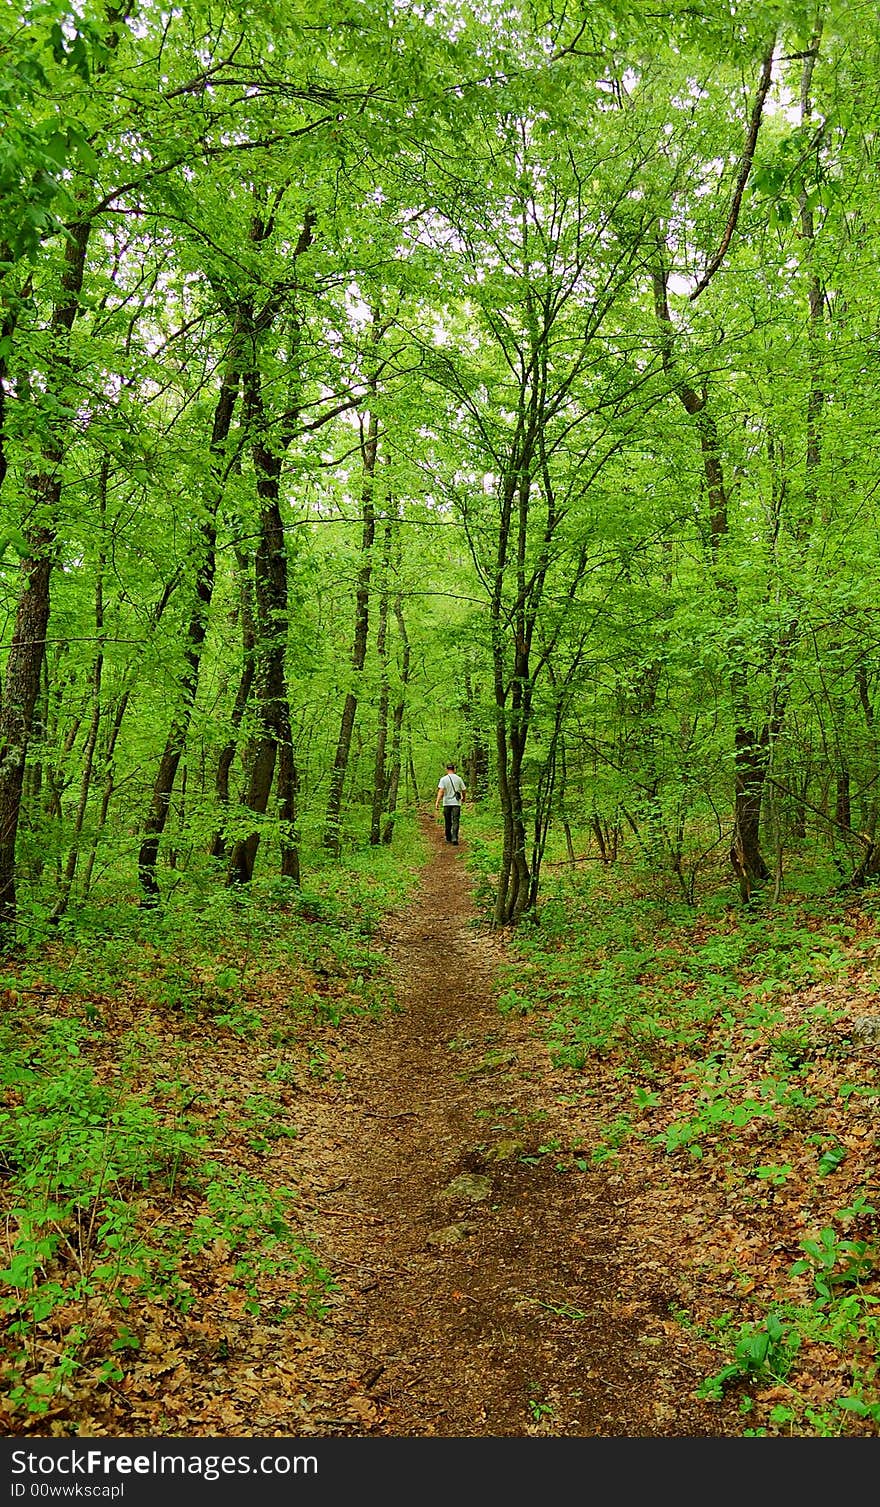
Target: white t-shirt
452	786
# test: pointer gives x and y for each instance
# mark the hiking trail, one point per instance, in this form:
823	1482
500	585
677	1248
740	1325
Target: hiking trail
486	1285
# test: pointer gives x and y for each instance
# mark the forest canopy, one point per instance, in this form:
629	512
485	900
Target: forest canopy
382	383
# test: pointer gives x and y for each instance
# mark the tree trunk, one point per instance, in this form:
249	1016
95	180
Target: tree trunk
843	799
513	700
869	867
242	695
512	892
7	330
32	790
20	691
563	798
163	786
380	773
369	452
544	798
411	768
91	739
107	788
109	753
745	854
274	740
28	644
397	724
750	749
477	757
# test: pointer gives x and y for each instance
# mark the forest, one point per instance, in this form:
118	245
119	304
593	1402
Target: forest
385	383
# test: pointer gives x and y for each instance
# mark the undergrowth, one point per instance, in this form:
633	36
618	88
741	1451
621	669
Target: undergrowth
133	1149
729	1043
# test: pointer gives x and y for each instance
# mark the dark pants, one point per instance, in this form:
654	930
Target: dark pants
451	816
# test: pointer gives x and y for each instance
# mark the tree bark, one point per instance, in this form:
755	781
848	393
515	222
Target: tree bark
396	760
109	753
750	755
273	745
369	453
513	696
380	773
869	867
242	696
274	741
163	785
28	645
91	738
477	757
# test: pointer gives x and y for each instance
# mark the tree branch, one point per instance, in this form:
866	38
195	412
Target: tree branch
745	168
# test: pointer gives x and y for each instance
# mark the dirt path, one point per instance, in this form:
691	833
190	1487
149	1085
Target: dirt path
488	1286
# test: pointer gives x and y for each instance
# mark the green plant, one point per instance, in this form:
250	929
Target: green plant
239	1017
254	1222
562	1310
762	1348
710	1116
791	1047
317	1061
613	1136
834	1261
514	1002
774	1173
78	1154
831	1158
266	1121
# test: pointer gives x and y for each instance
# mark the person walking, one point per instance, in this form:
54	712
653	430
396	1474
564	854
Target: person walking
451	791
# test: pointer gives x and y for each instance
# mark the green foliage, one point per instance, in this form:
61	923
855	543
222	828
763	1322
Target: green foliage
762	1350
718	1113
616	547
833	1261
737	1029
93	1136
842	1315
255	1224
77	1156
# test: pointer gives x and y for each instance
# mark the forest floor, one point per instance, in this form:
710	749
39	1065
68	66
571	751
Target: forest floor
487	1287
481	1254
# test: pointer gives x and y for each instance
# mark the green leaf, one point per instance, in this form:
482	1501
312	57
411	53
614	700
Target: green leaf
85	153
831	1159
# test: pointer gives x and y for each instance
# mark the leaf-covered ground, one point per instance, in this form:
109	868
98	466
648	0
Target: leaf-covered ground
367	1168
